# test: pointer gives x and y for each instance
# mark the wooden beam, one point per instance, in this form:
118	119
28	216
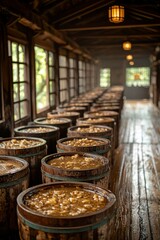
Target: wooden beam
116	36
79	10
147	13
128	26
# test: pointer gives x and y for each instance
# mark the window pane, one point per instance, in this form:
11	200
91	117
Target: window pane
62	61
51	73
15	72
52	100
105	77
14	52
15	92
63	73
138	77
23	109
42	98
23	92
21	72
16	111
21	53
51	59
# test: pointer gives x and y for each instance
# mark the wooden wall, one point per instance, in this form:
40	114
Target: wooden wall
118	74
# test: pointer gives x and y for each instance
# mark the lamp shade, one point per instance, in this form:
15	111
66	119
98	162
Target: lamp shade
116	14
131	63
127	45
129	57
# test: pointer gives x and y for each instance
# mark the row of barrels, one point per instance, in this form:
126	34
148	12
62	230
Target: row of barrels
75	121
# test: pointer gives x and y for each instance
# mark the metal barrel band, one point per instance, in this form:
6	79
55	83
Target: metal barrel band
74	179
12	183
31	155
61	230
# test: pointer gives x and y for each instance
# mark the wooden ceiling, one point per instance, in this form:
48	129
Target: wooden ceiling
86	22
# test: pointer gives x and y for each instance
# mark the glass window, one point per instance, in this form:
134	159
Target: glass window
72	77
105	76
52	84
45	80
63	76
20	80
138	77
81	65
42	93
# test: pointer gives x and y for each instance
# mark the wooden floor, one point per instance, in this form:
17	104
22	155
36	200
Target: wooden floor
135	178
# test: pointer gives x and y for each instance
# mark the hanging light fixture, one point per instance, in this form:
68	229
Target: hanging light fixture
131	63
127	45
129	57
116	14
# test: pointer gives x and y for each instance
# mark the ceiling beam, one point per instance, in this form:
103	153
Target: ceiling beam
117	36
147	13
79	10
136	25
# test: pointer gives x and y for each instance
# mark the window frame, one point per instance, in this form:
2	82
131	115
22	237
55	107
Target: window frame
26	99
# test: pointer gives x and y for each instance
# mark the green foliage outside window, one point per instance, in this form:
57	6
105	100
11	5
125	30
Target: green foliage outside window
105	75
138	77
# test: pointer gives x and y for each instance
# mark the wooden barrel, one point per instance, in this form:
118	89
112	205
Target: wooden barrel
93	145
86	105
49	133
73	116
80	110
93	131
110	114
106	108
76	167
14	178
105	121
67	219
28	148
61	123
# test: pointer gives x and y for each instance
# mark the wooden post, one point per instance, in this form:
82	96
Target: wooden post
7	124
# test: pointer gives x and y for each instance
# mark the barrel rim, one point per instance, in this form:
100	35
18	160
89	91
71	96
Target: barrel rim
108	129
67	172
41	140
108	113
72	114
104	140
24	168
106	119
54	128
64	120
84	218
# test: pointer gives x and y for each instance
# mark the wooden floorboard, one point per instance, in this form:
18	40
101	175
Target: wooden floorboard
135	176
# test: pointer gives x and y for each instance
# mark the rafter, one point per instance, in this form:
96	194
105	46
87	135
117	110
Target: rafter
136	25
81	10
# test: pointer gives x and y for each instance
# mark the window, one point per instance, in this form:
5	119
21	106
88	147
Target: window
138	77
81	66
72	77
105	76
52	83
63	79
42	83
88	76
20	80
93	80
